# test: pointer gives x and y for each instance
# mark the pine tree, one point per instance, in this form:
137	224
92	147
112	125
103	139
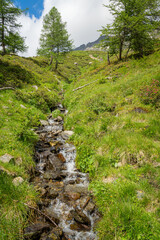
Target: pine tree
134	25
15	43
9	25
54	40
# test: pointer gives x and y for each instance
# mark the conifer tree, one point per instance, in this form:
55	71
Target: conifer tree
134	25
54	40
9	26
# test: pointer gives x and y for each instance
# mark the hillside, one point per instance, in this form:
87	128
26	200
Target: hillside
116	124
116	121
36	91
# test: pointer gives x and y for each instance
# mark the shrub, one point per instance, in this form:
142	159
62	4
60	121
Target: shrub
150	94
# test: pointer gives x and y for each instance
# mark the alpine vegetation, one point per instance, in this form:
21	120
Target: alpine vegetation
54	40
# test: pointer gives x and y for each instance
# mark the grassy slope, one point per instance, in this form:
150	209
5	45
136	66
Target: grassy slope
117	133
20	111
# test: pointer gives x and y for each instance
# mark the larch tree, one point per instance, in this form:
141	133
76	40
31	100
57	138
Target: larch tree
133	27
9	27
54	40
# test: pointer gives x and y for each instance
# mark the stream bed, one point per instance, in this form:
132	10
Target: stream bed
67	207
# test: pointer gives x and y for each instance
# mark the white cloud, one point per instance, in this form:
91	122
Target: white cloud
83	17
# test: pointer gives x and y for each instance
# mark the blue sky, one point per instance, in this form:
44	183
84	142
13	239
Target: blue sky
35	6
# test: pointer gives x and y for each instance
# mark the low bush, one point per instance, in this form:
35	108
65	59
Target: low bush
150	94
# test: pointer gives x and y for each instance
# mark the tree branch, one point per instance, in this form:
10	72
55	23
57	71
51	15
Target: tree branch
84	85
7	88
33	208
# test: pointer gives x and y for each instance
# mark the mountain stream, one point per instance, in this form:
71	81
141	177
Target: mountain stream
67	206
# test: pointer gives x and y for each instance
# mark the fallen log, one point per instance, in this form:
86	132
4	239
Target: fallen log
85	85
7	88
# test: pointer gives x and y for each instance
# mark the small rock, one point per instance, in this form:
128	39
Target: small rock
76	188
51	213
6	158
36	87
109	179
72	196
58	119
117	165
140	195
34	231
18	161
17	181
90	207
22	106
43	122
139	110
5	107
80	217
2	169
61	157
68	133
75	63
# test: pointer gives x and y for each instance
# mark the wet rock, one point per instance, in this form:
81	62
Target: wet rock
34	231
90	208
51	213
53	149
84	201
80	217
55	162
72	196
79	227
76	188
6	158
56	233
17	181
58	119
45	202
53	175
61	157
43	122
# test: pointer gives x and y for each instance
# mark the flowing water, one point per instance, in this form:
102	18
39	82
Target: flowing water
64	190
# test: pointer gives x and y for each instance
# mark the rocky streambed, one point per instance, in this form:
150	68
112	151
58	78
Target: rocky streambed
66	209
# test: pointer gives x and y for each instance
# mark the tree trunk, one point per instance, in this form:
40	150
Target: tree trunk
120	50
56	66
3	40
128	51
51	60
108	58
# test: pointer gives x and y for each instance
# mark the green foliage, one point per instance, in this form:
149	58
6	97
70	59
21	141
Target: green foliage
20	112
8	25
15	43
133	27
117	140
54	38
42	99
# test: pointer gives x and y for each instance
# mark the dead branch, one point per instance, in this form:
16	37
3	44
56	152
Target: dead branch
43	214
84	85
7	88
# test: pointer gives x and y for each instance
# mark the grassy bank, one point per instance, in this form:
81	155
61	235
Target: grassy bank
117	129
35	93
36	90
116	122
